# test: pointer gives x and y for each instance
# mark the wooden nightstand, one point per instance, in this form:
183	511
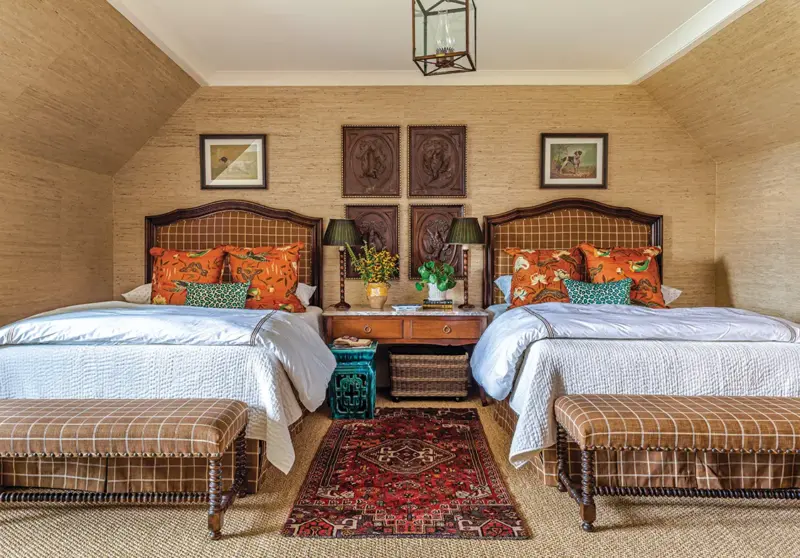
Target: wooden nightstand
422	327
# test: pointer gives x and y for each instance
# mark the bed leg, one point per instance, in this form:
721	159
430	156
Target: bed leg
484	398
588	512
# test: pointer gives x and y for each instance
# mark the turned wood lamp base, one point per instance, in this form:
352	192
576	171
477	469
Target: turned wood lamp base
342	304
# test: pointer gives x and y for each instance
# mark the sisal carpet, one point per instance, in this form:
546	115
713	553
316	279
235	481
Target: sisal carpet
640	527
407	473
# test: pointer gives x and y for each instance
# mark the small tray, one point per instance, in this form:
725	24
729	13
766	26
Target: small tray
406	307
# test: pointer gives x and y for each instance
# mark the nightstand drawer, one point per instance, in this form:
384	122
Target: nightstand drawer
368	328
444	328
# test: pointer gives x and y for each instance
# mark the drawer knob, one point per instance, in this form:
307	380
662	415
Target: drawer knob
447	329
367	329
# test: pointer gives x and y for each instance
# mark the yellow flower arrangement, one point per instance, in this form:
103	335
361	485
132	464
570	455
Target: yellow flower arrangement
374	266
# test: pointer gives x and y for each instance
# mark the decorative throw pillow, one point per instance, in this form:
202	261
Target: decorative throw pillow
638	264
539	275
217	295
139	295
616	292
304	293
671	294
504	284
272	274
173	269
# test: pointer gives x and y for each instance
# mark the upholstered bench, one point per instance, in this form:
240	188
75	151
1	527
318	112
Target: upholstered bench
128	428
667	423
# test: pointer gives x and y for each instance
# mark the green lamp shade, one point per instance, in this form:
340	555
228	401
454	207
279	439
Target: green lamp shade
341	232
465	230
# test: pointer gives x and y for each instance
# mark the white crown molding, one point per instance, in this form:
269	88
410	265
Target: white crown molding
156	33
415	77
712	18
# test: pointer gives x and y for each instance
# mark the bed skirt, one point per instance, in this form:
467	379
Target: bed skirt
134	474
671	469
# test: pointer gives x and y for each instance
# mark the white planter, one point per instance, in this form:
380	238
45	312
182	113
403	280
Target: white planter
435	294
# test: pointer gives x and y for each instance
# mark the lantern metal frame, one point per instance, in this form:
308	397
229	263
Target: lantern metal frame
458	61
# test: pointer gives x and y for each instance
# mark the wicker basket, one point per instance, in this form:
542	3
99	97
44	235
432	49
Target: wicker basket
429	375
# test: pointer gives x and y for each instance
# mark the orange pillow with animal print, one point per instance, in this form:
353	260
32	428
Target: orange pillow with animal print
638	264
539	275
272	274
172	269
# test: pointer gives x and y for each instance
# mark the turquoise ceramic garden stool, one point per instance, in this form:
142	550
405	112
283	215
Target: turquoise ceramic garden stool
351	392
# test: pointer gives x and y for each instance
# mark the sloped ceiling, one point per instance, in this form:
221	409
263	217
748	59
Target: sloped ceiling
80	85
739	91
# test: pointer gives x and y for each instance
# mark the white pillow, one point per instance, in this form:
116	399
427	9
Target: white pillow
139	295
670	294
504	284
304	293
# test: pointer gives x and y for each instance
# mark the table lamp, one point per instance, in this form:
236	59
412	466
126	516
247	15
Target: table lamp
465	231
341	232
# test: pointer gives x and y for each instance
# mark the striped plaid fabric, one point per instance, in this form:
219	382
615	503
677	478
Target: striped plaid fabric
662	422
673	469
119	427
237	228
561	230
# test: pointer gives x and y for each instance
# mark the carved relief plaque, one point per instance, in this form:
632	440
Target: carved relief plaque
437	161
428	233
378	225
371	161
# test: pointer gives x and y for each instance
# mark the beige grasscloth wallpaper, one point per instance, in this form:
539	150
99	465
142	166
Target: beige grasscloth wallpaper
738	94
80	93
654	165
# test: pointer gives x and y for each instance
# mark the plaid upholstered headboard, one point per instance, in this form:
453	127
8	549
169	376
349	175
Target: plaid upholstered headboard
559	225
239	223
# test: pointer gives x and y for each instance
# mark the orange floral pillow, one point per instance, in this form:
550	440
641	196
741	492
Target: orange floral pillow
172	269
638	264
539	275
272	274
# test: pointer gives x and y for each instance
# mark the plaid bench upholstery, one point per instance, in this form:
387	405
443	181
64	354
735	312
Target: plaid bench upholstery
761	425
662	422
112	428
119	427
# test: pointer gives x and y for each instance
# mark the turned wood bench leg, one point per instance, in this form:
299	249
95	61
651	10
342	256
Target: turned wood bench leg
215	512
240	474
588	512
561	451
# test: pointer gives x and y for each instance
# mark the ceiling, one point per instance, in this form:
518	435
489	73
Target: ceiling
368	42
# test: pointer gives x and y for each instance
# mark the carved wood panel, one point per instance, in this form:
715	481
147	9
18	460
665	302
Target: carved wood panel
378	225
437	161
371	161
430	225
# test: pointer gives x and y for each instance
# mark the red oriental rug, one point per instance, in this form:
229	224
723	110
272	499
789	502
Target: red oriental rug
407	473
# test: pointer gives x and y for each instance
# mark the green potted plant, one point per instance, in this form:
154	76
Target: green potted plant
438	276
375	269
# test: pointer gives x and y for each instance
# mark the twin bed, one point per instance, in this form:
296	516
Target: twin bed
277	363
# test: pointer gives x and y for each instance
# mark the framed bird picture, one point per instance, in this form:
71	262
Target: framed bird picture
437	161
430	225
233	162
371	161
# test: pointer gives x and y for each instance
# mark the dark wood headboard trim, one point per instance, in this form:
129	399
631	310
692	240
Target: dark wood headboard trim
656	223
152	222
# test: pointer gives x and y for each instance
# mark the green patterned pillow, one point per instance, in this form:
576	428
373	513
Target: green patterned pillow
217	295
614	292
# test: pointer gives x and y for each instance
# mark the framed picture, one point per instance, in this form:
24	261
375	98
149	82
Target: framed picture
574	161
430	225
378	225
233	162
371	161
437	161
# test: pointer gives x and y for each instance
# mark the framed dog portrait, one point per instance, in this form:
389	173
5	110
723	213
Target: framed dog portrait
233	162
371	161
574	161
378	225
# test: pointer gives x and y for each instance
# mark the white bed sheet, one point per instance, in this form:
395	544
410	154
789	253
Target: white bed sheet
254	374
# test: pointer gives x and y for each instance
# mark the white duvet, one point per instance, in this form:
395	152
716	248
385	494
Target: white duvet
548	350
120	350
